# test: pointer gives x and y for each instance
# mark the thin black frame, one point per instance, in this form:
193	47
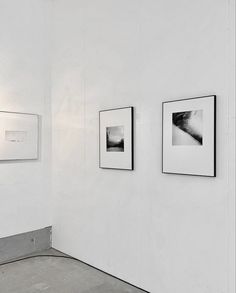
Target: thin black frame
132	138
214	147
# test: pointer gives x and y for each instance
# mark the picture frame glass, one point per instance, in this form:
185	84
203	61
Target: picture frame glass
116	138
189	136
19	136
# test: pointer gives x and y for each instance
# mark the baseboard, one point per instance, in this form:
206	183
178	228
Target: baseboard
23	244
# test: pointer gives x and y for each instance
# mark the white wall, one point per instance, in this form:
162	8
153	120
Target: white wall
164	233
25	87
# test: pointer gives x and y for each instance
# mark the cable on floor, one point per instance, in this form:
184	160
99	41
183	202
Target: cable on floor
35	256
71	258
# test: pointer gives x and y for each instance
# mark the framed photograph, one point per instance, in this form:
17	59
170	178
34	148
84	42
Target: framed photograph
18	136
189	136
116	138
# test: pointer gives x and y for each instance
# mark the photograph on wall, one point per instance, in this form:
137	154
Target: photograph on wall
116	138
187	128
18	136
189	133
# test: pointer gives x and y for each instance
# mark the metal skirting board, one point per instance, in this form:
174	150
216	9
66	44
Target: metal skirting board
26	243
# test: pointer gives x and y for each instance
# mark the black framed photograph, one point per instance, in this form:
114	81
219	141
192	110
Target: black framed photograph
189	136
116	138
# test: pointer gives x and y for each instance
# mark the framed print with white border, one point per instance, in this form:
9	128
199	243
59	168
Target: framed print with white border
116	138
189	136
19	136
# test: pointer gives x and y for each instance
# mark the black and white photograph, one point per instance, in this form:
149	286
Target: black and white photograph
116	139
19	139
189	129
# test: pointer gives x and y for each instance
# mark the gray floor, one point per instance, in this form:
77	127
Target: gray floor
57	275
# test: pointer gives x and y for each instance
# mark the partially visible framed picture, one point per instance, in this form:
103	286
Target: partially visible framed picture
116	138
19	136
189	136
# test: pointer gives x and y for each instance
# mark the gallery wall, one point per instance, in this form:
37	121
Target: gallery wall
164	233
25	87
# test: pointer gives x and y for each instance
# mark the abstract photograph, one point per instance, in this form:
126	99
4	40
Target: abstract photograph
189	136
115	139
19	138
187	128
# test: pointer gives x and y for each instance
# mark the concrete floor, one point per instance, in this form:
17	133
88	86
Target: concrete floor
57	275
